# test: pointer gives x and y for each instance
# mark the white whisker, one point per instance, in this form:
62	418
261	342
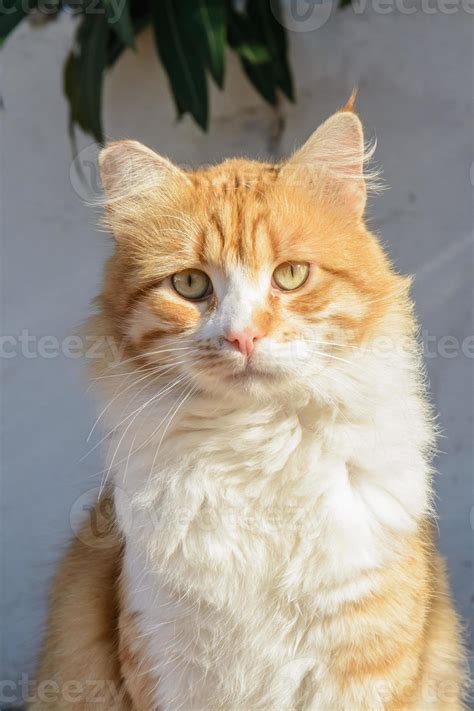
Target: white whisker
155	398
148	354
155	371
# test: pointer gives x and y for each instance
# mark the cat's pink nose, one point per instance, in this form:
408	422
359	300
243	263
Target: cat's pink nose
244	341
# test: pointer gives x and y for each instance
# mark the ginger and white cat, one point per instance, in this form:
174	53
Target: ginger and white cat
269	452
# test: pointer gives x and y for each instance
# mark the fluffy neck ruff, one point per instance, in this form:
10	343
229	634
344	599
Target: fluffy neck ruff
221	485
246	524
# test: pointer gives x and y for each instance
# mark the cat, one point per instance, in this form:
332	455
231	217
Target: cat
272	542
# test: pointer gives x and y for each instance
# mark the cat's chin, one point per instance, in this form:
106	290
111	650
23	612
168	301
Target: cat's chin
249	376
249	383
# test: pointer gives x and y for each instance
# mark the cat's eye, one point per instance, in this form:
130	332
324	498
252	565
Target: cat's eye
291	275
192	284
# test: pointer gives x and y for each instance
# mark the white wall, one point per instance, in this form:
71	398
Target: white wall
413	72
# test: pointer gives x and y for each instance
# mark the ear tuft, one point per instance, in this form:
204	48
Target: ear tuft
350	104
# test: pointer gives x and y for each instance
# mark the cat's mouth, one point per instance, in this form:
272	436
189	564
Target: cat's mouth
234	372
250	373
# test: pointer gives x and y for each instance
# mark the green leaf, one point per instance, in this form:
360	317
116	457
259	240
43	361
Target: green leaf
184	67
118	16
254	52
115	46
275	37
262	77
92	37
10	16
245	33
83	75
71	90
207	23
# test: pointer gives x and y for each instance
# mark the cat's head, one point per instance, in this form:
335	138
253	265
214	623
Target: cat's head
245	277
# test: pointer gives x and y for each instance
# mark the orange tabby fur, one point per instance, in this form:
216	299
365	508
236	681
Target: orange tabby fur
410	639
404	638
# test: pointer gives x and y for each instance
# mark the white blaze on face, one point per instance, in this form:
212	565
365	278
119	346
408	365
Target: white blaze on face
239	295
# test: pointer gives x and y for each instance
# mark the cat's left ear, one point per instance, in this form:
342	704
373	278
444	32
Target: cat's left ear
333	158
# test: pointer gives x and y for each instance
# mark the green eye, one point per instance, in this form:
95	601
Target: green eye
291	275
192	284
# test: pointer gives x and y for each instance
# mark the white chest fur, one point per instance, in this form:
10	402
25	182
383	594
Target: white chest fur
244	529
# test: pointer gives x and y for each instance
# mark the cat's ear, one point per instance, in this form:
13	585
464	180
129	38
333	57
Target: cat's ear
128	167
137	182
333	159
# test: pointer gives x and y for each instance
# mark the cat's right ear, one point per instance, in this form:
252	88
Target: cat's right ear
134	178
126	166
